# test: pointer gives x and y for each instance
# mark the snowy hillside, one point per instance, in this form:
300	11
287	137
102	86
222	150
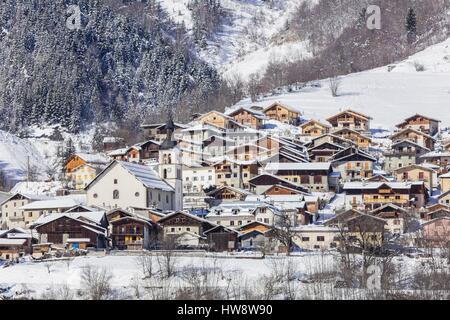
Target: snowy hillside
387	96
247	41
14	156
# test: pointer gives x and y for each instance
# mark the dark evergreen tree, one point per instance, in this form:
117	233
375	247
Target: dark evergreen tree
411	26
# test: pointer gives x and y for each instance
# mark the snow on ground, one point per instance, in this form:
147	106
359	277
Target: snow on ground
16	155
35	276
47	189
249	39
389	97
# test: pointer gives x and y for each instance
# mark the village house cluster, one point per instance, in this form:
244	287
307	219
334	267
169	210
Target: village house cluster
248	178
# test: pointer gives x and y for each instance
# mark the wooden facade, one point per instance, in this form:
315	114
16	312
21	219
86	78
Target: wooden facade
248	117
350	119
421	123
314	128
63	228
282	113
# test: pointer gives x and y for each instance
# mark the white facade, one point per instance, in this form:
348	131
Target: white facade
124	185
196	178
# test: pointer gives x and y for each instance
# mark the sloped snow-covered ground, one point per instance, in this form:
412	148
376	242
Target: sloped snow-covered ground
246	42
15	156
389	97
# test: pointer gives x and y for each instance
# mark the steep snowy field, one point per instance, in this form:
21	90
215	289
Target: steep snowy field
387	96
248	40
15	155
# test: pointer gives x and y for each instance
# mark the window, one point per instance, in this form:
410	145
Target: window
136	194
320	238
172	229
232	223
115	181
116	194
95	196
305	239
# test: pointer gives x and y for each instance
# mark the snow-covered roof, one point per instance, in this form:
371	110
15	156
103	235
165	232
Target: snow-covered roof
298	166
93	217
146	175
71	240
118	152
12	242
62	202
376	185
94	158
435	154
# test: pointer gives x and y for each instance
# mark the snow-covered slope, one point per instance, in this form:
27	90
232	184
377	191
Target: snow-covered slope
15	155
248	40
387	96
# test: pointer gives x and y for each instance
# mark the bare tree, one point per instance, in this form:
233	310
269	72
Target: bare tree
145	261
167	261
334	86
284	231
96	283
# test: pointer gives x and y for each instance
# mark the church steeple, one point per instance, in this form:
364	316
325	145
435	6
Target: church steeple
169	143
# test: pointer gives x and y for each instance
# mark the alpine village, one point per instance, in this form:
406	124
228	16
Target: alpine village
226	182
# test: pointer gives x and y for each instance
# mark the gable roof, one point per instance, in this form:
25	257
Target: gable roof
396	134
96	158
352	112
387	205
337	132
350	152
170	215
256	114
145	174
90	218
313	121
407	141
416	116
56	203
302	166
233	189
287	107
414	166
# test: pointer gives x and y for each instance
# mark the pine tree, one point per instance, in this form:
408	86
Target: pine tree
411	26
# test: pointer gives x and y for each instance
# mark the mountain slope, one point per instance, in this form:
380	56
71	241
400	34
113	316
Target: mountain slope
249	36
387	96
16	156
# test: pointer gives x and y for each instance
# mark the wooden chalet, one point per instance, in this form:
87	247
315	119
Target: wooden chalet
372	195
282	113
330	138
90	228
226	193
248	117
185	229
220	120
221	238
421	123
265	182
314	128
158	131
324	151
350	119
422	139
395	217
353	164
360	140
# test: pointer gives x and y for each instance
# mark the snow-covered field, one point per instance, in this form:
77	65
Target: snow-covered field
39	279
388	97
248	40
